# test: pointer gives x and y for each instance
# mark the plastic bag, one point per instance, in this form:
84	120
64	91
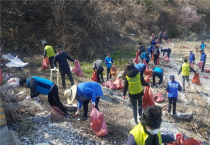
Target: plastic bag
147	78
113	70
191	64
148	99
109	84
152	57
12	83
185	46
147	71
1	77
118	84
94	76
136	59
158	97
166	58
200	64
181	141
58	111
206	77
77	69
158	60
168	40
45	63
196	79
98	122
207	70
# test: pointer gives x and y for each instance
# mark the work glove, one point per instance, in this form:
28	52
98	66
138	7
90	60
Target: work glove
124	97
55	68
77	113
110	62
93	104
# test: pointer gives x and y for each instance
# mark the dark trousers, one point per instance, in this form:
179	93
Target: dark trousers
159	75
134	105
53	99
85	106
203	67
51	61
170	100
155	59
108	73
100	72
67	71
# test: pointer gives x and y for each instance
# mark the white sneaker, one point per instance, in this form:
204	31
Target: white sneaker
77	113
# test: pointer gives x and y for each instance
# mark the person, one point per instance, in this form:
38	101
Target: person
147	132
203	59
202	46
185	69
141	48
168	50
133	82
156	54
61	57
43	86
141	67
145	56
192	57
153	43
50	53
172	89
159	73
160	37
99	69
150	49
83	93
109	62
165	37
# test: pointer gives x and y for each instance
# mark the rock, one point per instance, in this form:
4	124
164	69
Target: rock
48	139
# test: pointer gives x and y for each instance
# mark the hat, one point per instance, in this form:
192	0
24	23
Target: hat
190	51
70	94
172	77
22	81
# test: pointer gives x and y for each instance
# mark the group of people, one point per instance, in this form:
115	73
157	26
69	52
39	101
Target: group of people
146	132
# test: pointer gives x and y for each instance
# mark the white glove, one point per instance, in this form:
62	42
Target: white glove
93	103
110	62
55	68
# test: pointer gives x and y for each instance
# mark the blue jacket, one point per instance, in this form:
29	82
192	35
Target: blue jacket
107	60
173	88
153	43
39	86
149	49
87	91
202	46
62	60
141	67
159	70
145	56
192	57
203	57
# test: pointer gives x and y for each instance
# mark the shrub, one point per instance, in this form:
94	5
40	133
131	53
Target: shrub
172	30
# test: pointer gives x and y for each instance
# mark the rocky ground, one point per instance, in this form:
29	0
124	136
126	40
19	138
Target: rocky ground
118	113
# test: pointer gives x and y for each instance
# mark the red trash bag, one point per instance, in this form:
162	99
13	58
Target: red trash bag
118	84
158	60
166	58
110	85
45	63
168	40
77	69
148	99
137	56
206	70
181	141
200	64
58	111
98	122
185	46
147	78
191	64
1	77
196	79
147	71
152	57
158	97
206	77
113	70
94	76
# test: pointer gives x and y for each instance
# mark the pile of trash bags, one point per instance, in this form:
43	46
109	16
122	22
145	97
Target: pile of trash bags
116	84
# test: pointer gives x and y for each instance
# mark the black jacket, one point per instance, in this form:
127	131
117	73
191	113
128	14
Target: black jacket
62	60
141	49
132	73
32	83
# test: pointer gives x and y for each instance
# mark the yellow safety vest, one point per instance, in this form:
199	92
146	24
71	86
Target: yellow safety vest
140	136
134	84
185	69
50	51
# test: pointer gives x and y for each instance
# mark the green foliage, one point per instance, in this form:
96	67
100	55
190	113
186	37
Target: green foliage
149	5
119	54
172	30
38	64
87	69
166	2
